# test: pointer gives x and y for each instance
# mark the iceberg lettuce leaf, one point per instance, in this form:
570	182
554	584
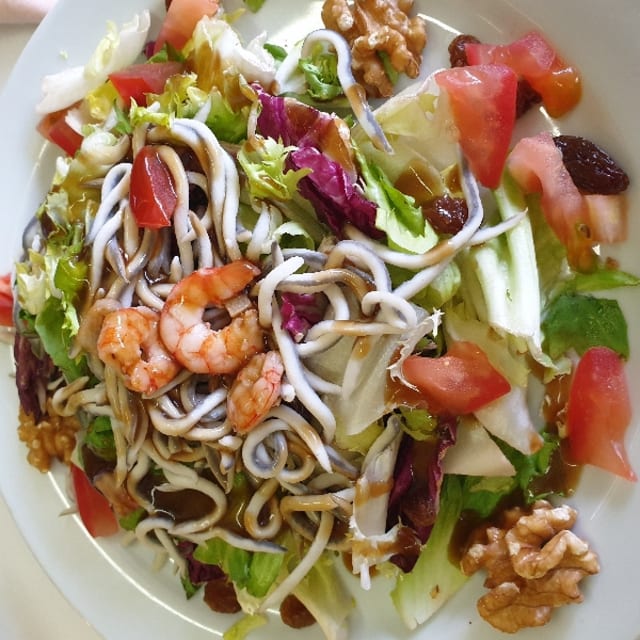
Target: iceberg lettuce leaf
117	49
326	597
434	578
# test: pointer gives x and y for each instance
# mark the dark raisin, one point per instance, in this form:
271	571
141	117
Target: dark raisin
457	53
591	168
295	614
446	214
526	97
220	596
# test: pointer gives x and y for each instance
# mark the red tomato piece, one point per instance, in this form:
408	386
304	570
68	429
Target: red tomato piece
607	217
93	507
6	301
460	382
54	128
181	19
536	164
138	80
535	60
152	195
483	103
599	412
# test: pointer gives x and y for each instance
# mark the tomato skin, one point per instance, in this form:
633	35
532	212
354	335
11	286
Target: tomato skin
536	164
153	197
93	507
136	81
599	412
535	60
460	382
607	217
54	128
180	21
483	103
579	221
6	301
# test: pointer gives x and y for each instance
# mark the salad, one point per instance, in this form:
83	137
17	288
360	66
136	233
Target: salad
271	330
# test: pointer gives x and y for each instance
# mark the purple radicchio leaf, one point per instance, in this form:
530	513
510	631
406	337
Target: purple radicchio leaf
297	124
300	311
335	198
199	572
324	146
418	479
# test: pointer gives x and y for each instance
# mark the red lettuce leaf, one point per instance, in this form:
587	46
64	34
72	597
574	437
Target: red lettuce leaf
300	311
323	145
418	480
336	199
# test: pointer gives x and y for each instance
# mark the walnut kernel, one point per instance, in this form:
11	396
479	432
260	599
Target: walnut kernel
375	27
533	564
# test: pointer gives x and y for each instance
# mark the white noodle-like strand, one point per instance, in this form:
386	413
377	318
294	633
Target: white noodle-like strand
305	432
115	188
318	545
270	283
181	223
295	374
104	234
176	426
354	92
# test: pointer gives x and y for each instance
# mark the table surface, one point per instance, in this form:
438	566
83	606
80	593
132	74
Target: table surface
31	607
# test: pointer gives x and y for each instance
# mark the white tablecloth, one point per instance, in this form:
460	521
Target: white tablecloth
31	607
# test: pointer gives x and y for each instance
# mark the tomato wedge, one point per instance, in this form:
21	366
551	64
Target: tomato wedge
483	103
137	80
54	128
460	382
535	60
6	301
152	195
93	507
578	221
181	19
599	412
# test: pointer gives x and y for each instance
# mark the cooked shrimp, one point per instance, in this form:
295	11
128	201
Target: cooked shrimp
129	342
191	340
254	391
92	322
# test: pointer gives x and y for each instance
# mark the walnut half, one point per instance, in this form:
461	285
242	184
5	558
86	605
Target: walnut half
374	27
534	563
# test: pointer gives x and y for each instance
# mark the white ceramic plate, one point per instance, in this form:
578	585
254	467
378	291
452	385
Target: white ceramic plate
114	587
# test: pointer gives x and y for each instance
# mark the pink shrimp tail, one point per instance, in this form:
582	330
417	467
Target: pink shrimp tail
255	390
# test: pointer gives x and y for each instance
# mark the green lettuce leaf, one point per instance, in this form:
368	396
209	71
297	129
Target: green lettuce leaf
277	52
574	321
253	571
130	521
56	339
241	629
264	163
99	438
418	423
483	495
397	214
321	74
254	5
601	279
